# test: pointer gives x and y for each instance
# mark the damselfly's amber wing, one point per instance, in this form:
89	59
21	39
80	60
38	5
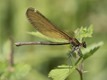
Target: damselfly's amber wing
44	26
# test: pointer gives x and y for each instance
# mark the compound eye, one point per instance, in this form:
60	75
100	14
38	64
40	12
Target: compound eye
84	44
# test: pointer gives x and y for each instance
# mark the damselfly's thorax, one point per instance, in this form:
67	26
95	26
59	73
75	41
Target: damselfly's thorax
76	43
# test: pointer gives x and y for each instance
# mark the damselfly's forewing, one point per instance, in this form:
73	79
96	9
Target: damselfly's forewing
43	25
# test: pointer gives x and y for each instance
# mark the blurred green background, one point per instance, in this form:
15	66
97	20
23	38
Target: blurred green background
68	15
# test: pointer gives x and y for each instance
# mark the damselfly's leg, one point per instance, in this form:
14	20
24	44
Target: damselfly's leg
80	52
70	55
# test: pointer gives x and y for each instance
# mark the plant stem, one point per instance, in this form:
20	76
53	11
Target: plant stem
81	74
11	56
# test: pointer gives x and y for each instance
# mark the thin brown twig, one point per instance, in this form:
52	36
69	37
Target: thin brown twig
11	56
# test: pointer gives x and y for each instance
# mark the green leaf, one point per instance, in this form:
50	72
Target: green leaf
21	70
91	50
84	32
62	72
18	72
59	74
